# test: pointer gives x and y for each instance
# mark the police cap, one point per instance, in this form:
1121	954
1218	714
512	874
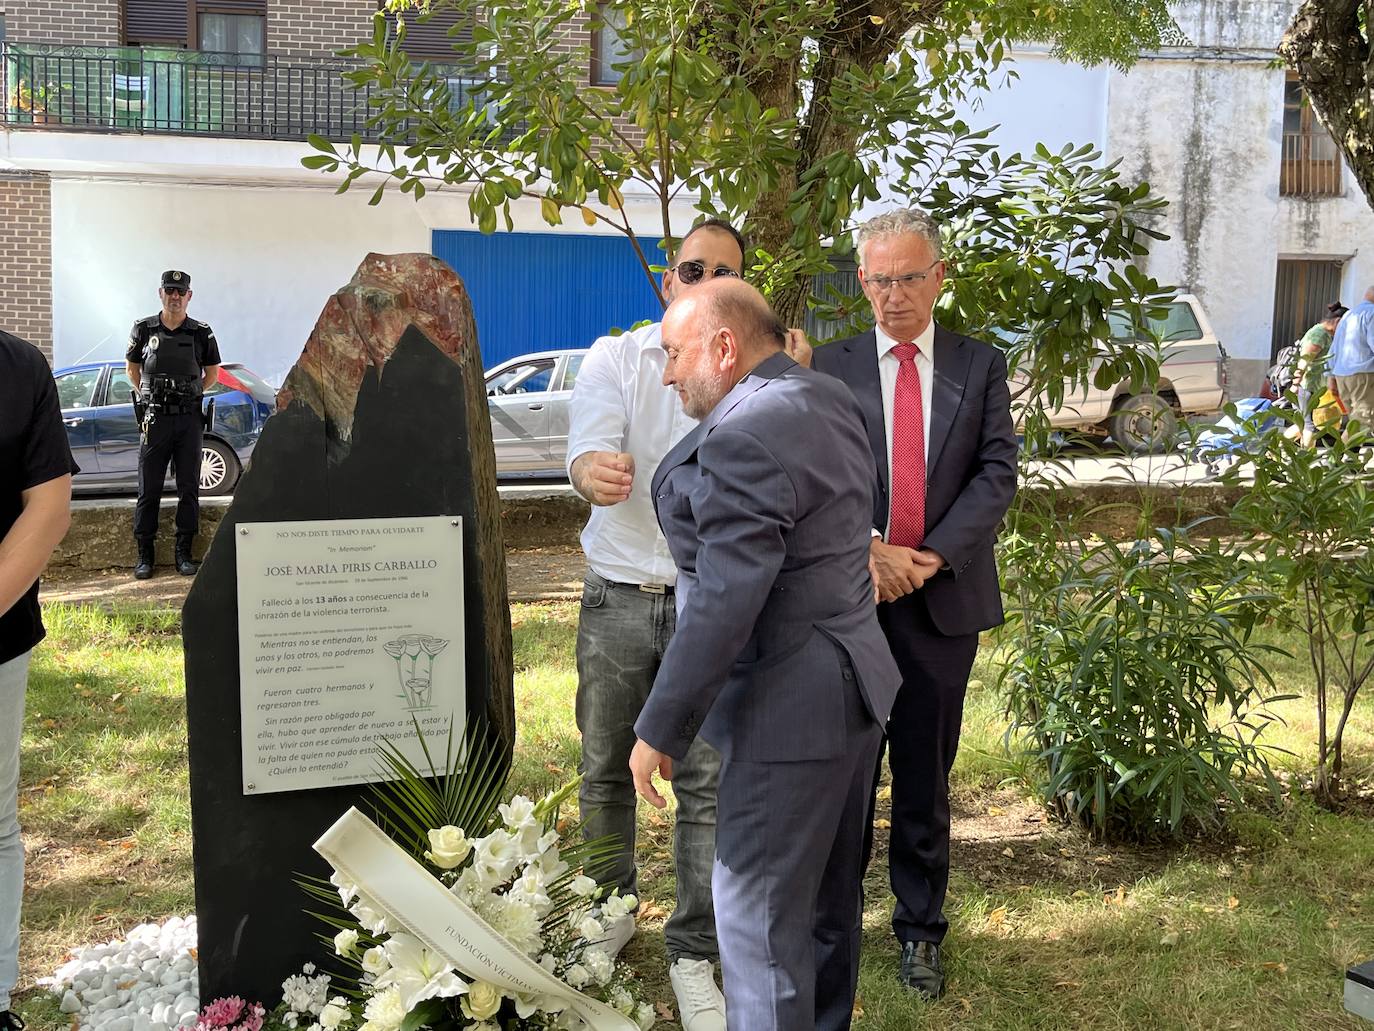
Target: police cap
176	280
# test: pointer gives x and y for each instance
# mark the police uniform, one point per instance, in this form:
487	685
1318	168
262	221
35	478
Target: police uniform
174	363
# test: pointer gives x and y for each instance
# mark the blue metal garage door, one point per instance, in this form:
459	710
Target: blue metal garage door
541	291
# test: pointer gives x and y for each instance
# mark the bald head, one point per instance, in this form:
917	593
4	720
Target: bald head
714	337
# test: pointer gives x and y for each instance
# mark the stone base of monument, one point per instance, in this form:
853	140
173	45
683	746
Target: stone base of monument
384	417
1359	990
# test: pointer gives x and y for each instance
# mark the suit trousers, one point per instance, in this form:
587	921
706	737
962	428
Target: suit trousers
174	438
922	740
789	905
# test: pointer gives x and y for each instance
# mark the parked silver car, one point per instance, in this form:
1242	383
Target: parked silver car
1193	380
528	399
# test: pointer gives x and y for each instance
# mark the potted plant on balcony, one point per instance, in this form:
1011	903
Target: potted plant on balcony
35	101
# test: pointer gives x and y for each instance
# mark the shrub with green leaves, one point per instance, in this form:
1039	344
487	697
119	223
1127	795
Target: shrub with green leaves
1134	674
1310	515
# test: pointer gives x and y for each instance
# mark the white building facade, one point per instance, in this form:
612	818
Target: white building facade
1264	225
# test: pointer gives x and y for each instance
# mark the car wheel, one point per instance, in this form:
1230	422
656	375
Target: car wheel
1144	424
219	468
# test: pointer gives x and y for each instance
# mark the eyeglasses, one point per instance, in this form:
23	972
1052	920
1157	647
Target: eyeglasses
906	282
691	271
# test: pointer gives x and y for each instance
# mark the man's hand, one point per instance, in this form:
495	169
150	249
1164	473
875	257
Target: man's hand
604	477
644	760
898	571
797	347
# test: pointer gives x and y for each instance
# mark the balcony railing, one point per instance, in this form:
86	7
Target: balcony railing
1311	165
186	92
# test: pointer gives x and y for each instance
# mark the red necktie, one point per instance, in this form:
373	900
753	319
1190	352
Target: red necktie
907	525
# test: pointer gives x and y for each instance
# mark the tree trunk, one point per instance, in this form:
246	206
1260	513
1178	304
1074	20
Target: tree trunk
1325	46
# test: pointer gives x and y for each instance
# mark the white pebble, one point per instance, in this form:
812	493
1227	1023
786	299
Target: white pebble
147	982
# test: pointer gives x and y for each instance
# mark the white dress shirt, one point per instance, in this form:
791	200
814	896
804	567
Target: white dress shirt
888	364
619	403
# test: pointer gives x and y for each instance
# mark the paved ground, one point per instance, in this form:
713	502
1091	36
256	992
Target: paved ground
541	574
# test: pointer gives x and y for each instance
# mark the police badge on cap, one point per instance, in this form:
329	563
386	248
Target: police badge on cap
172	279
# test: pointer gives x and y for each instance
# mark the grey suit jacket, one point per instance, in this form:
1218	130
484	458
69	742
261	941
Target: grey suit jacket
970	467
766	507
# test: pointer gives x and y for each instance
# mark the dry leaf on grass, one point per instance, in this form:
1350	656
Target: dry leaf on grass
1008	852
1278	968
1170	939
664	1011
858	1012
1232	902
882	825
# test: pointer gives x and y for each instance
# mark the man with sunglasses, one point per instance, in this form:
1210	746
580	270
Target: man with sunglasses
623	420
938	413
172	360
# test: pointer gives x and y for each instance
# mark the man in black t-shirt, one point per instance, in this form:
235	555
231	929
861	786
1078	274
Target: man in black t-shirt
172	360
36	470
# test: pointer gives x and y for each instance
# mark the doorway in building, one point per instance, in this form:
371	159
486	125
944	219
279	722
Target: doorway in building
1301	293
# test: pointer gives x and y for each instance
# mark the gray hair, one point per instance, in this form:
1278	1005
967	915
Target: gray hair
898	223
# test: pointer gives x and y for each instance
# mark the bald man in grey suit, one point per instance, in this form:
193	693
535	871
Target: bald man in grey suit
778	659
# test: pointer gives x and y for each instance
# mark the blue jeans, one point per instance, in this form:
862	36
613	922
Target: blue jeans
622	634
14	676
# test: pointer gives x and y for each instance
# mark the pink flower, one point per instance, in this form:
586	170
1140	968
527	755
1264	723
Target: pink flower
231	1014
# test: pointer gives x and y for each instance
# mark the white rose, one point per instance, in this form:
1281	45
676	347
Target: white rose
482	1000
375	961
582	885
448	846
346	941
644	1016
615	906
386	1010
631	901
334	1013
577	975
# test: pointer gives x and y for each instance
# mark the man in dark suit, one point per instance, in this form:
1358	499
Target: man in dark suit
939	423
778	659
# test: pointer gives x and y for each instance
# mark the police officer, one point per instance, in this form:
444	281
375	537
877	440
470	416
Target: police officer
172	360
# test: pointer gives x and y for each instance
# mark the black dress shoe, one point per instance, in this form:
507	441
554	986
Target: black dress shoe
921	969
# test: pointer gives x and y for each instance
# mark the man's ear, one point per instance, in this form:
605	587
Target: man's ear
727	348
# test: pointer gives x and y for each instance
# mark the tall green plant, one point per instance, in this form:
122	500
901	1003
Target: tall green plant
1136	676
1310	513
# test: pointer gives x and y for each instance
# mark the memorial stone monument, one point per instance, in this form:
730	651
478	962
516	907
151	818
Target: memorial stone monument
365	541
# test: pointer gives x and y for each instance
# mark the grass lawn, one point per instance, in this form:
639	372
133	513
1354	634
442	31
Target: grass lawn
1252	930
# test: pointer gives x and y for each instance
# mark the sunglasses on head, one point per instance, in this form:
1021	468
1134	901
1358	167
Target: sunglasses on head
691	271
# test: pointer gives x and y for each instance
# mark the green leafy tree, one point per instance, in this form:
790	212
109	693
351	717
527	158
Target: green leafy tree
782	115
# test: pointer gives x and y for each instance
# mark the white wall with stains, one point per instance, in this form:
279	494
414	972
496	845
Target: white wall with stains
1203	124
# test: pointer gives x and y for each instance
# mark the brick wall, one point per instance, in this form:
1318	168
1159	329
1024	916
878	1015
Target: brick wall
89	22
317	27
26	258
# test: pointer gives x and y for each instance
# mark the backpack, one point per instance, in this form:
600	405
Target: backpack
1284	370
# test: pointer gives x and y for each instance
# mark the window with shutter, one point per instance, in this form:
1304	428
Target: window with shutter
156	21
429	38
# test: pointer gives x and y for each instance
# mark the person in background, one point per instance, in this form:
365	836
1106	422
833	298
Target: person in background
36	470
1352	363
1311	375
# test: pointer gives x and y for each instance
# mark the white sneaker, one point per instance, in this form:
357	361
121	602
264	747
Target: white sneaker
700	1006
619	930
